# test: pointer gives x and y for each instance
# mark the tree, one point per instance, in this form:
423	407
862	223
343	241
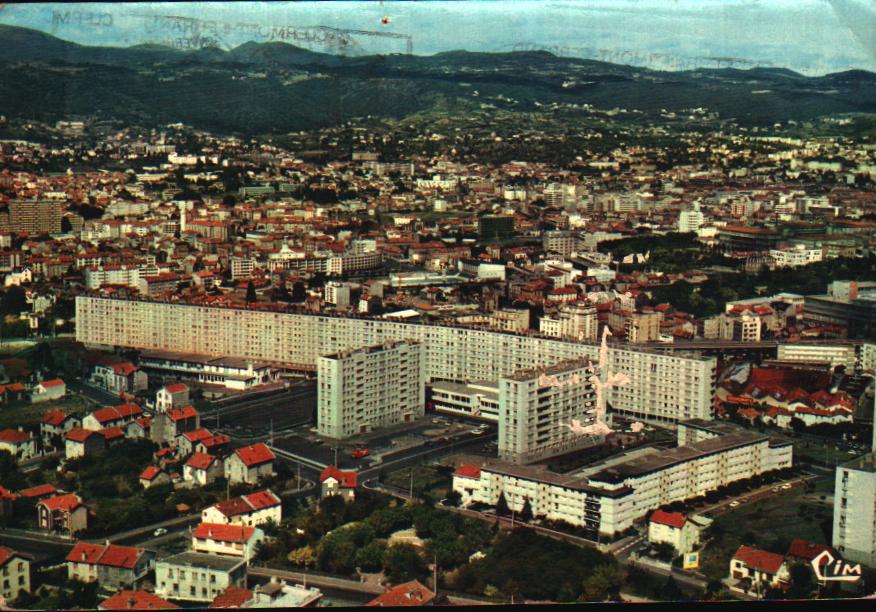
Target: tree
302	557
403	563
801	581
671	591
370	557
526	511
605	581
251	296
502	508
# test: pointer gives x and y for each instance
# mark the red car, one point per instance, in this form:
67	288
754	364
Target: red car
359	453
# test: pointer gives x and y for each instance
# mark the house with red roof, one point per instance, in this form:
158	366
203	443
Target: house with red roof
120	377
113	566
55	424
79	442
186	442
39	492
153	476
251	509
249	464
62	513
139	429
753	570
218	445
48	390
222	539
411	593
202	469
338	482
167	425
136	600
112	416
674	528
171	396
20	444
15	569
233	597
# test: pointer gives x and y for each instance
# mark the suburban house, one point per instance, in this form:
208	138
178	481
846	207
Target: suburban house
12	392
135	600
171	396
218	445
753	570
153	476
674	528
337	482
111	565
195	576
55	424
20	444
119	378
219	539
139	428
166	426
83	442
48	390
64	513
249	464
411	593
186	442
252	509
202	469
38	493
112	416
14	574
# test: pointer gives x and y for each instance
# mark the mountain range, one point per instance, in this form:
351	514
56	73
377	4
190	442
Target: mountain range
278	87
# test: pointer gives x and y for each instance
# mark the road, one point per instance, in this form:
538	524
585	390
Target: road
99	396
251	417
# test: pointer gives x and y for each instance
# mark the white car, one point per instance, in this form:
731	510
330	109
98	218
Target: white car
159	532
787	486
734	503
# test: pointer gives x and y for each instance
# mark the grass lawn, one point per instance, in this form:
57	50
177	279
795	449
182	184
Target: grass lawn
823	454
427	479
25	413
770	524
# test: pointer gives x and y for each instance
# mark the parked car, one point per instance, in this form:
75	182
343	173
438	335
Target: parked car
734	503
360	452
159	532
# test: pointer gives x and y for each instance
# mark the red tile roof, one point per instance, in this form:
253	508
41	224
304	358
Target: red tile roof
6	494
5	555
197	435
408	594
468	471
200	461
346	480
150	473
78	434
136	600
262	499
232	597
672	519
54	417
176	388
126	368
254	455
804	549
68	502
223	533
38	491
13	436
186	412
759	559
55	382
111	433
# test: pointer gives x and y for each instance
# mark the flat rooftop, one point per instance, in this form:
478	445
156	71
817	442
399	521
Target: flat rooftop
213	562
229	362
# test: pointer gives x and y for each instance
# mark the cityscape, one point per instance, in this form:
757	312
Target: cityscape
436	304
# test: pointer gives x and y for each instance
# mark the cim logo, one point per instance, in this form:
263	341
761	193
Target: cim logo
829	568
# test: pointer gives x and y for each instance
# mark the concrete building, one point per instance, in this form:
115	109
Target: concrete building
848	305
476	399
606	498
249	464
642	327
113	566
690	220
191	576
222	539
33	217
337	294
576	321
795	256
560	242
451	353
819	353
854	510
251	510
368	389
538	410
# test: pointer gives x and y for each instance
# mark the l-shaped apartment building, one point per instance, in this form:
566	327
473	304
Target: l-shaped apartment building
664	387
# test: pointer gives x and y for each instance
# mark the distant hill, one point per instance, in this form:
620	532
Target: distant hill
277	87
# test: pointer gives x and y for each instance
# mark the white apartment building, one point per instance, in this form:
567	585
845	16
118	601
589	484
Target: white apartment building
537	409
242	267
478	399
560	242
510	319
368	389
868	358
665	387
796	256
854	510
337	294
690	220
819	353
608	498
573	321
192	576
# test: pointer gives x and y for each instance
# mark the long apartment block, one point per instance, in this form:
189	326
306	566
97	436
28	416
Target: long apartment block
664	388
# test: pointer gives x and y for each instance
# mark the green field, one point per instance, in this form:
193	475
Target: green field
25	414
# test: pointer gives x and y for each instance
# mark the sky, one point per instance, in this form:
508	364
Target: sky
810	36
